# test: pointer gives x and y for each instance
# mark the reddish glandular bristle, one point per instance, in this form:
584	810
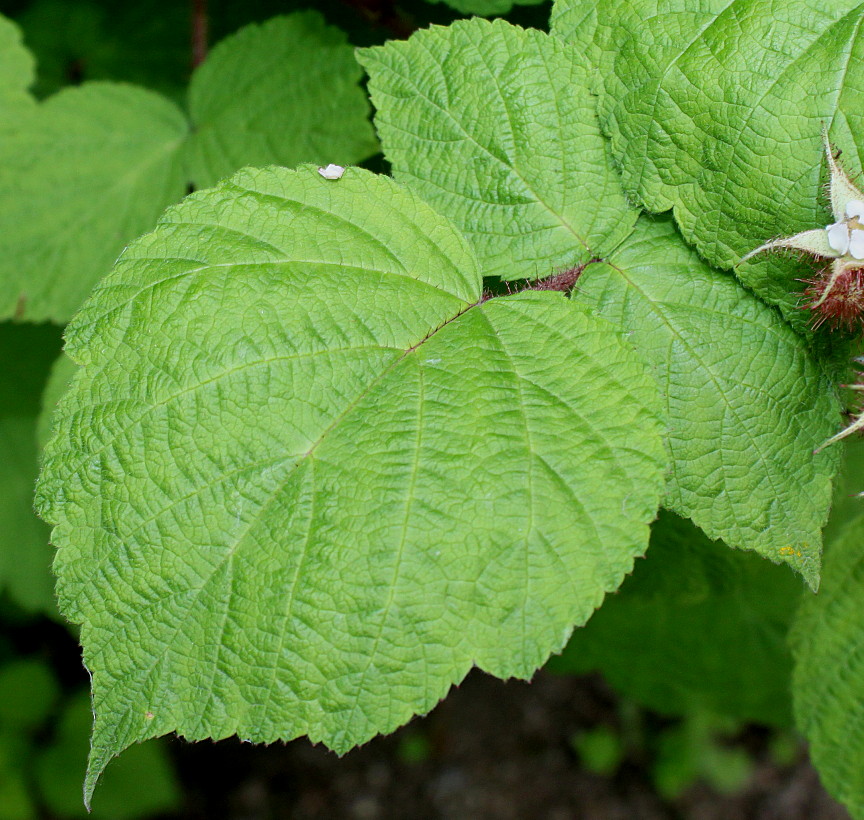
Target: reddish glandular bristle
843	307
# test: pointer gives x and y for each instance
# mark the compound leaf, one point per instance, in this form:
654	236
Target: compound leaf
716	112
745	401
283	92
306	477
495	127
697	626
829	668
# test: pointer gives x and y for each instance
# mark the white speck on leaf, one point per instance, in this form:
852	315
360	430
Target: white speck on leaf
332	171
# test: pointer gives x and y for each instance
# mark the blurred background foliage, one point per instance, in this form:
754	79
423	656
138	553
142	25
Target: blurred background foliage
696	635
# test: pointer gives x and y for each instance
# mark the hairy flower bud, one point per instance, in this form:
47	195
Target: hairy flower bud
836	295
838	301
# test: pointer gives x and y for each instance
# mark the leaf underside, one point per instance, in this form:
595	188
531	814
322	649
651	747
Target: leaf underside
409	475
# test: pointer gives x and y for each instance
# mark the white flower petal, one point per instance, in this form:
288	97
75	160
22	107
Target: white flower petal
332	171
856	244
855	207
838	236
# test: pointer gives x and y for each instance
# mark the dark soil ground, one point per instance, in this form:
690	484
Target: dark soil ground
491	750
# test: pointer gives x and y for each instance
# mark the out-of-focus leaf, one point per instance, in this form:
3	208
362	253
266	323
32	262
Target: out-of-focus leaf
26	354
140	784
28	692
144	42
90	168
283	92
696	627
828	683
486	8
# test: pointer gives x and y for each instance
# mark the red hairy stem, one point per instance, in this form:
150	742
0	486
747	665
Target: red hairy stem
843	305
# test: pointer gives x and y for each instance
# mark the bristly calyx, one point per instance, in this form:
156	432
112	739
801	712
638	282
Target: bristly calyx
836	293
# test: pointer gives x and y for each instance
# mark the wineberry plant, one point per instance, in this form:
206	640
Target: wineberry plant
329	438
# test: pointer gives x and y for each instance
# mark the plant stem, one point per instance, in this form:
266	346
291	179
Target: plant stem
200	25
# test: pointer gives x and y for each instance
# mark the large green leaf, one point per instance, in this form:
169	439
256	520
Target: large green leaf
494	126
828	681
746	404
26	354
283	93
715	110
696	627
307	477
92	167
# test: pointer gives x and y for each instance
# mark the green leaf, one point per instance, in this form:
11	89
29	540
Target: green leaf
26	354
699	749
575	21
16	70
486	8
307	478
92	167
494	126
697	626
14	793
745	401
828	681
848	501
28	692
59	379
284	92
716	111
